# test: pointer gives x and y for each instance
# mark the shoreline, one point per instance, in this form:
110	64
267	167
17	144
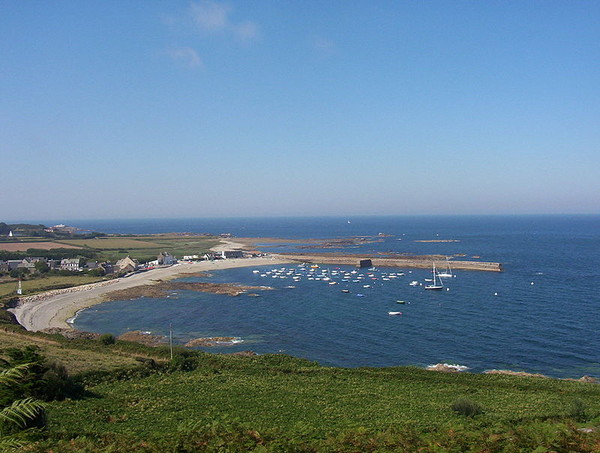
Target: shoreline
56	310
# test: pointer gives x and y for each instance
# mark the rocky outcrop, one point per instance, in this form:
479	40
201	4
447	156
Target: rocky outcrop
212	341
161	289
145	338
71	334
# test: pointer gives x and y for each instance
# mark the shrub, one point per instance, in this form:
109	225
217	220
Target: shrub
466	407
107	339
577	411
43	380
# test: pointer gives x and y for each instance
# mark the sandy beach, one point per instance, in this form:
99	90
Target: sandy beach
55	310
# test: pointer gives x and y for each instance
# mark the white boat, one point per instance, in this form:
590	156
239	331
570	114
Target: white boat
434	284
394	313
448	272
414	283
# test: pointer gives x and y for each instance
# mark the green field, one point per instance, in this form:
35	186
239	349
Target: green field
110	243
146	247
8	285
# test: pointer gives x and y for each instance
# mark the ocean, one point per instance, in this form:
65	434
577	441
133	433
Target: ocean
540	315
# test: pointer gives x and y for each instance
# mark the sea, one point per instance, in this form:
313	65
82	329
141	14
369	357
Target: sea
540	315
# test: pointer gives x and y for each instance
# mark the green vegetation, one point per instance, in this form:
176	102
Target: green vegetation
44	283
466	407
145	248
208	402
17	413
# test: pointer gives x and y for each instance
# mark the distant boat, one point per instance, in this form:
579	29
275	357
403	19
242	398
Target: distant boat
394	313
448	272
345	290
414	283
400	301
434	284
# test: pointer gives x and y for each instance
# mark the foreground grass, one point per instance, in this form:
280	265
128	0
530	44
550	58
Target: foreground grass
281	403
276	392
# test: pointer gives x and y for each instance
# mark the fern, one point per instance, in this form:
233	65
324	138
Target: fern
21	411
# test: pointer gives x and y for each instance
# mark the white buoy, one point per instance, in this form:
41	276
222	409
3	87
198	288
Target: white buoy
532	283
495	294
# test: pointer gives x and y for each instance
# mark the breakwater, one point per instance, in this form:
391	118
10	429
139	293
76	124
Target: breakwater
417	262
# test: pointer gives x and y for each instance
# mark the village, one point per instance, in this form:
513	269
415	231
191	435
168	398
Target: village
35	265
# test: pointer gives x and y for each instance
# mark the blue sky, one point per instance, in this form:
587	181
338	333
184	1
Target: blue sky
114	109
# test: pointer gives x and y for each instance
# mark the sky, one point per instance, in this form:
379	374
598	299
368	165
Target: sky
153	109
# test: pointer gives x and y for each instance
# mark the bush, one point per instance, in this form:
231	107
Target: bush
577	411
43	380
107	339
466	407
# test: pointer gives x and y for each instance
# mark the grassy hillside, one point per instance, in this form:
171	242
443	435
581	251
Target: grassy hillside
78	356
276	391
208	402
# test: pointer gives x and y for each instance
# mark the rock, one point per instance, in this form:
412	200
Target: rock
145	338
245	353
71	334
446	368
212	341
515	373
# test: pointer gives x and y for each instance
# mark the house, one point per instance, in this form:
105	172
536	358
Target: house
126	265
191	257
90	265
53	264
70	264
13	264
225	254
27	263
108	267
165	259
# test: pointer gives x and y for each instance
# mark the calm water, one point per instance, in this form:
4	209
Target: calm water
549	326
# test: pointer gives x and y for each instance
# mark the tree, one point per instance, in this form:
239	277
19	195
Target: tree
41	267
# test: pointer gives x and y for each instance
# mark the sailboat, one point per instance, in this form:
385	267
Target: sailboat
448	272
434	284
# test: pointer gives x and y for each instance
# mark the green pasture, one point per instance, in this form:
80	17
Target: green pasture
110	243
8	286
146	247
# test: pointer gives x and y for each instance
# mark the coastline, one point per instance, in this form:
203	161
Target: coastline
55	309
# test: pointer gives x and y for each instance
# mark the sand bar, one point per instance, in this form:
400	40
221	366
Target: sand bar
53	311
